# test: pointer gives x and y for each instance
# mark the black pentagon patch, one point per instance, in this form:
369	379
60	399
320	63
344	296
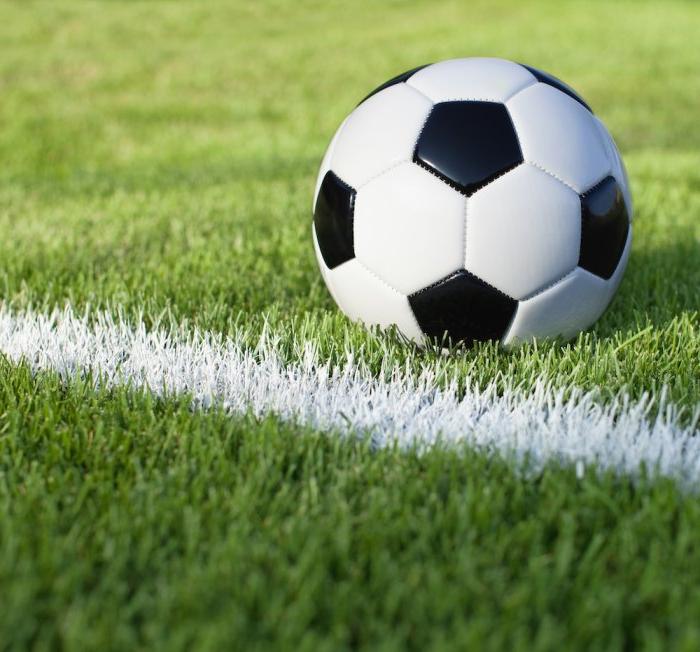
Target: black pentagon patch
399	79
333	220
463	307
551	80
468	144
604	226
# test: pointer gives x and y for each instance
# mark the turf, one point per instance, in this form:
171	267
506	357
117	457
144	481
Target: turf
128	523
159	158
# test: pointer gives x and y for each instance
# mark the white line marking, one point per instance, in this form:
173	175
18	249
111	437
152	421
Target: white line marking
540	426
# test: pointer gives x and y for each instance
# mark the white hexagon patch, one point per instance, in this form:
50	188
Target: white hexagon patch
489	80
379	134
523	232
409	228
558	134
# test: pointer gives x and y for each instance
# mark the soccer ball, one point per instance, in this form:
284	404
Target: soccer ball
473	199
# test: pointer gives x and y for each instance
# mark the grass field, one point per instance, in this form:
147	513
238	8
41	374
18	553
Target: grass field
157	163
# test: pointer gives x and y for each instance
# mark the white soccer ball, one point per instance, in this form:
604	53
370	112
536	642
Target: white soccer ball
473	199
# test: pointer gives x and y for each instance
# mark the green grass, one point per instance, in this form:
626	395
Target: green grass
129	523
159	158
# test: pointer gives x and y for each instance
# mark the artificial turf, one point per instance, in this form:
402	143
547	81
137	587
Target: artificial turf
158	159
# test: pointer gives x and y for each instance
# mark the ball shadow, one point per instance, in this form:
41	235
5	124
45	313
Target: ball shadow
660	284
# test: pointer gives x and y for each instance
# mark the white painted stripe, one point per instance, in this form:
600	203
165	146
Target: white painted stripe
539	426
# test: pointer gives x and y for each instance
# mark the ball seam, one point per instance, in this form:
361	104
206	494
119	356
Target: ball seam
554	175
